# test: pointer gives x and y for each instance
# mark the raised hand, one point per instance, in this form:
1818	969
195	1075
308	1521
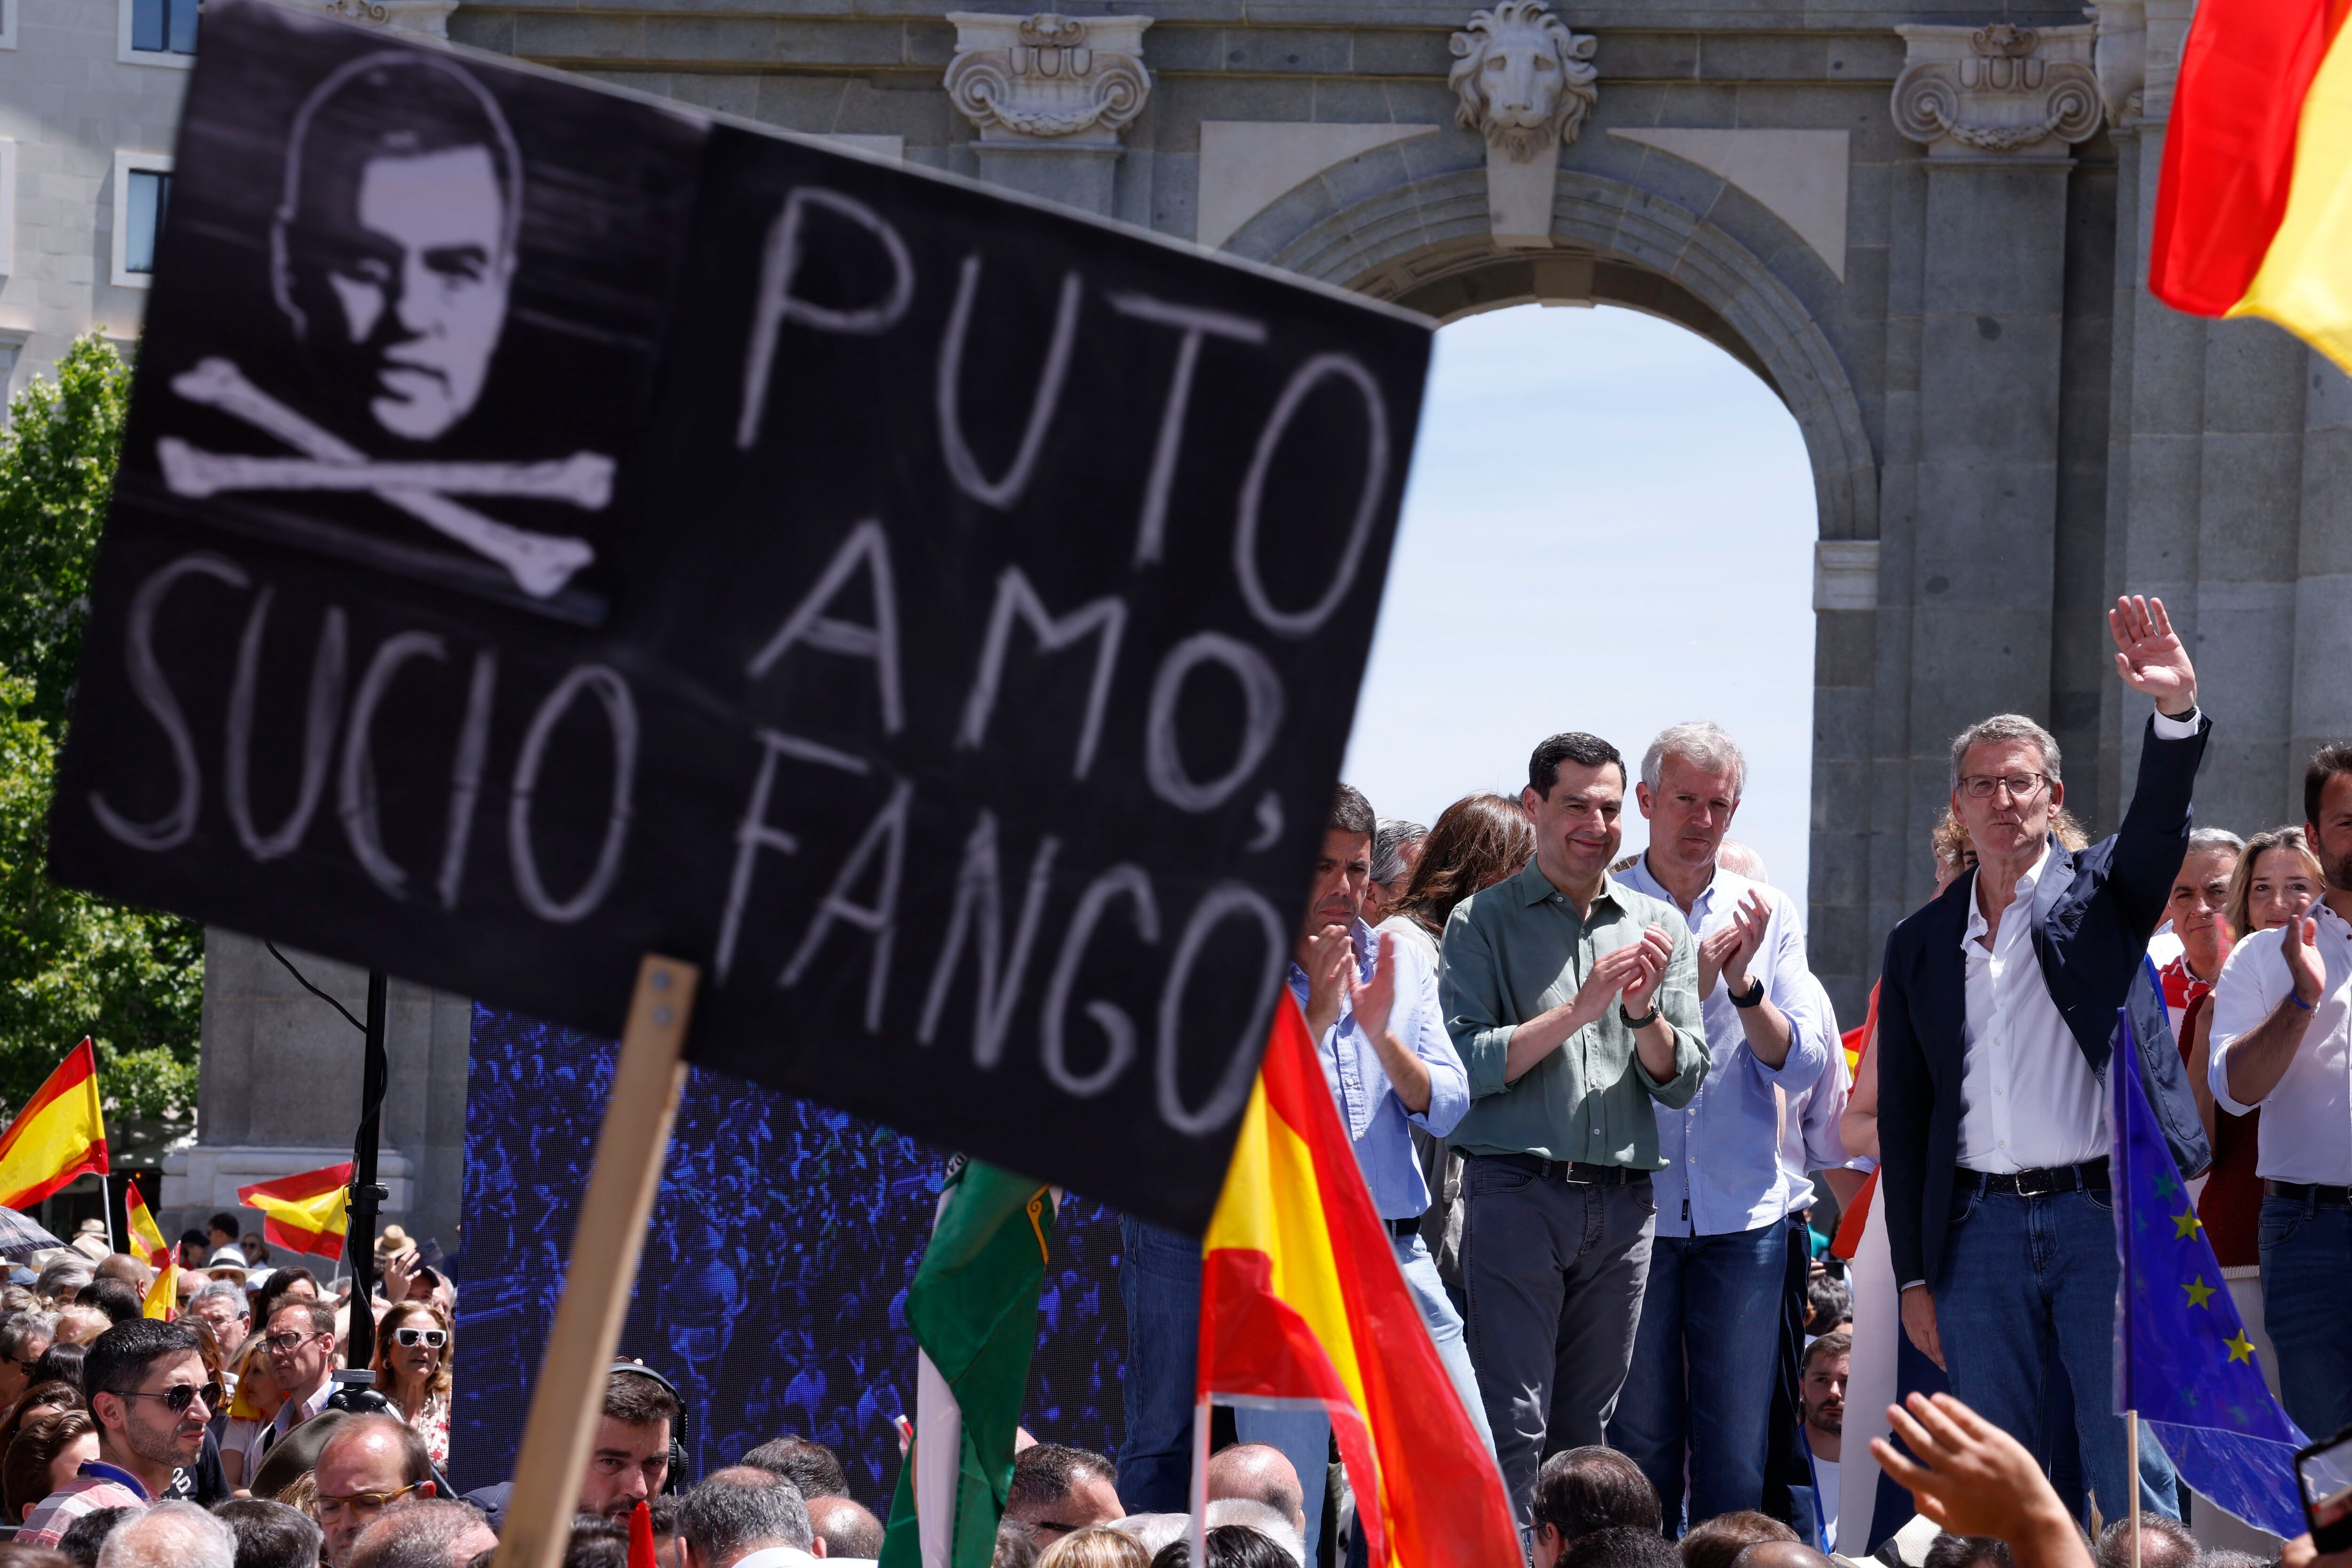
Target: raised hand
1715	951
1655	949
1751	921
1374	999
2302	966
1329	955
2149	657
1973	1478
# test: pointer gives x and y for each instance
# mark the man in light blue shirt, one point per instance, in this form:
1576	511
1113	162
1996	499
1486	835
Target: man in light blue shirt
1707	1354
1371	1003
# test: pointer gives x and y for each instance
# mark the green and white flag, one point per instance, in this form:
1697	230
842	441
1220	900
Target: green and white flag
973	1309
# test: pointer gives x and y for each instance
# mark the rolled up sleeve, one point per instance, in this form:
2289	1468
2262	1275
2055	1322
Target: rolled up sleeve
1470	994
1677	1000
2253	982
1790	987
1424	1035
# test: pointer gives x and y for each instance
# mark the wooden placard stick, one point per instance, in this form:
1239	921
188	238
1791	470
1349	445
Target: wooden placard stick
630	1148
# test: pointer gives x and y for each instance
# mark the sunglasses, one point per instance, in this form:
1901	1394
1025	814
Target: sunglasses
360	1505
290	1341
178	1398
431	1338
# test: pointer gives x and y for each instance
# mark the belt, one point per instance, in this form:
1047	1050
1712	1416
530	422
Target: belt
2091	1175
1576	1172
2309	1192
1402	1228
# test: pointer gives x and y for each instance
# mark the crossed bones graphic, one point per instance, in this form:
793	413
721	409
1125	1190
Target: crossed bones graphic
540	564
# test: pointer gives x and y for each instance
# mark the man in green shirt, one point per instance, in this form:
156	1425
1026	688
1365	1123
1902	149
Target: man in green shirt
1573	1001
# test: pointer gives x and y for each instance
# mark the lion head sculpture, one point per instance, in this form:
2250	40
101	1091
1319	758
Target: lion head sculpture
1523	78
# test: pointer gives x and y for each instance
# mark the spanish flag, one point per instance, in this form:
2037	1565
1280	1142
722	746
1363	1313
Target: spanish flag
1302	1303
2253	216
306	1212
57	1136
147	1242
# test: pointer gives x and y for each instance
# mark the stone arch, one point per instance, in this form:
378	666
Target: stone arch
1426	244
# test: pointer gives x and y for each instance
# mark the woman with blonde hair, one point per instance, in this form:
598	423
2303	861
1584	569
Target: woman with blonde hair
412	1353
1097	1546
251	1411
2275	881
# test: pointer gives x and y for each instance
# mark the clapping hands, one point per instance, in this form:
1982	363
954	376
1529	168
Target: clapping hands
1725	953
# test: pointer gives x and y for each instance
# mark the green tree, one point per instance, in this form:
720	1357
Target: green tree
71	965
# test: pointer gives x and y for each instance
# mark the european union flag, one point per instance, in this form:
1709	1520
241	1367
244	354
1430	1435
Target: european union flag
2183	1358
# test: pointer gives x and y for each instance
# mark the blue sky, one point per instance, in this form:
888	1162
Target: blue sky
1609	527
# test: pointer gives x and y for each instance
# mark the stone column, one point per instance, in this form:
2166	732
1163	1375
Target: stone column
2322	708
1049	96
1999	108
278	1087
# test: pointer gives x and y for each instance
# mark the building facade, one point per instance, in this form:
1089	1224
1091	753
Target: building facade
1925	229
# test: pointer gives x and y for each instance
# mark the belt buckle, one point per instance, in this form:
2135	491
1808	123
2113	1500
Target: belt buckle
2028	1187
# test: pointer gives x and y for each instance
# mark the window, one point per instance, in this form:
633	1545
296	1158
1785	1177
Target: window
163	26
154	32
142	198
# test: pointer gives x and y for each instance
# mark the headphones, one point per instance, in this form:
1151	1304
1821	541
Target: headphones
677	1432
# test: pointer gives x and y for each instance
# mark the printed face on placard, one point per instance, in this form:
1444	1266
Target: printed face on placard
441	383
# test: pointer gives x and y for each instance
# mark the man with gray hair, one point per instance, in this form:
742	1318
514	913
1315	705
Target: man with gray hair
745	1517
2190	951
170	1535
1396	850
23	1338
1696	1414
1996	1031
426	1532
221	1303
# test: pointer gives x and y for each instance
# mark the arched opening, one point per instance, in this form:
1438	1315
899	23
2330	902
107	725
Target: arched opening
1609	527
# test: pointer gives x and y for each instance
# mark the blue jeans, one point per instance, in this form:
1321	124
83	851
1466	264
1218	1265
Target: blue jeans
1705	1358
1159	1280
2020	1277
2308	1310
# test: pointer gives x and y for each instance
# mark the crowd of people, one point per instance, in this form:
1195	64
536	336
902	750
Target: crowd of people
1590	1096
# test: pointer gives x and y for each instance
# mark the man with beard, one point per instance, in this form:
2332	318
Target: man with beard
1822	1392
2283	1041
151	1396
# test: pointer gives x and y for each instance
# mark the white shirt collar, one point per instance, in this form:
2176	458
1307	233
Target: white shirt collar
2026	887
775	1557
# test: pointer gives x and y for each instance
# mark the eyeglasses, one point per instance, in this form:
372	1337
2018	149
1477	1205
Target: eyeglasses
431	1338
2021	786
177	1399
289	1341
360	1505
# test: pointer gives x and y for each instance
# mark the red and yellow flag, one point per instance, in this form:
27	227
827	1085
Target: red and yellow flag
57	1136
148	1245
2253	216
1301	1300
305	1212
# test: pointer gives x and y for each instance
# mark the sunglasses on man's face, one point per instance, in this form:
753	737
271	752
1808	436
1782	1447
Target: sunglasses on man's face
177	1398
431	1338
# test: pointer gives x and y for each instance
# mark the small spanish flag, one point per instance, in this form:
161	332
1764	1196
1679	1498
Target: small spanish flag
147	1243
306	1212
57	1136
2254	216
1302	1303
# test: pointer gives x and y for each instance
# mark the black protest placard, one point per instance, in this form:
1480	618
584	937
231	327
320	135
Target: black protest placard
553	527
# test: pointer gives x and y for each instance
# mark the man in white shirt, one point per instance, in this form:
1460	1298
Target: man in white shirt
1822	1392
2283	1042
1996	1030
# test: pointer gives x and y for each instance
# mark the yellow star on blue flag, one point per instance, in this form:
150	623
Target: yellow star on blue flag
2186	1362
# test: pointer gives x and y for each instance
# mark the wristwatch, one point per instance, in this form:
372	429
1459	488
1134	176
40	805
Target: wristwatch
1752	995
1630	1022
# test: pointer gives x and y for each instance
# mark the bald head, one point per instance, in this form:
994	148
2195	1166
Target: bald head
847	1528
1258	1472
1780	1555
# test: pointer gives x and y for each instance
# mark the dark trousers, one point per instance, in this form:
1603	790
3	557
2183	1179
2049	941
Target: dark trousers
1554	1273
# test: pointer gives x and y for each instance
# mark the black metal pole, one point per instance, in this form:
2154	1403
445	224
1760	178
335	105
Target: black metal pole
366	1193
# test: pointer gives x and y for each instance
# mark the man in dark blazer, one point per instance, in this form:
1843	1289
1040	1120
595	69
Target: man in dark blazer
1997	1030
